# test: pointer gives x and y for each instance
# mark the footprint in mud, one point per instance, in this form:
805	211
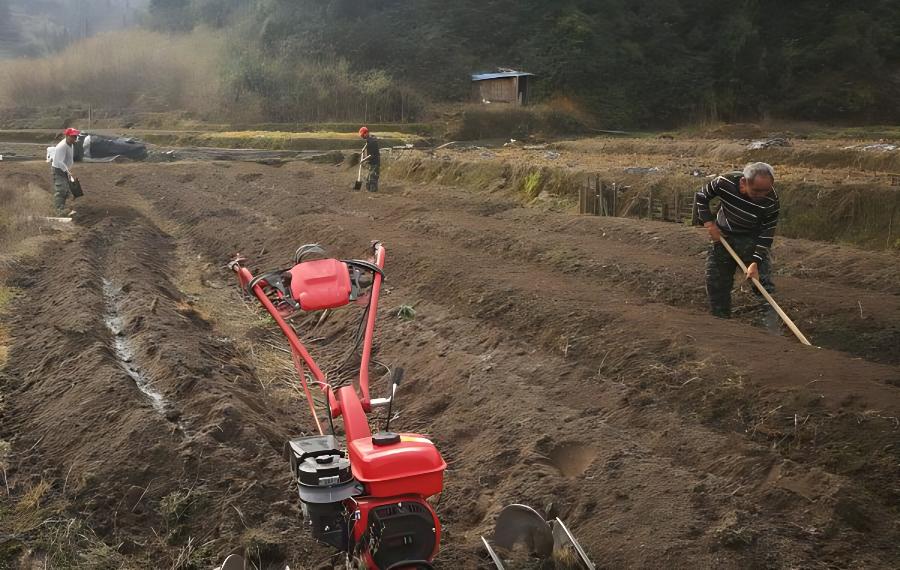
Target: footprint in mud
572	459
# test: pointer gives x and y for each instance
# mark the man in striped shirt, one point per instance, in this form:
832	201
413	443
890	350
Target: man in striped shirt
746	217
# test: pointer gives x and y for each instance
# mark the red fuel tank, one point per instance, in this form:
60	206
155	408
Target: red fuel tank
391	464
320	284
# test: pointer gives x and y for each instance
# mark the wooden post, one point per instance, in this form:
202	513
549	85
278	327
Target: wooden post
607	199
615	193
590	197
601	188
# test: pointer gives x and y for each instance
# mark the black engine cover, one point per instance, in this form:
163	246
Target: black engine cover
328	522
324	482
403	531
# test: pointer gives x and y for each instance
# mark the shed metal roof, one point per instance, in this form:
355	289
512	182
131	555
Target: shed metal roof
499	75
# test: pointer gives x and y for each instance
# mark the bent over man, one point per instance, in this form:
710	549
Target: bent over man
747	217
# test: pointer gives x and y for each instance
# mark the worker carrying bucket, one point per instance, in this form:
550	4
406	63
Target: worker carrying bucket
61	159
371	154
742	232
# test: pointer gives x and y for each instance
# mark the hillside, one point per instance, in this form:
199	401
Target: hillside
632	63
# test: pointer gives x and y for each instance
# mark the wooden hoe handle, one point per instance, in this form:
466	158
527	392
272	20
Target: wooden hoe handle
787	320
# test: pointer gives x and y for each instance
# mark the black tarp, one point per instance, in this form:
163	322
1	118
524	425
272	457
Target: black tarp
102	146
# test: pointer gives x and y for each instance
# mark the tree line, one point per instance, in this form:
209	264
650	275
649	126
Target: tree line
631	63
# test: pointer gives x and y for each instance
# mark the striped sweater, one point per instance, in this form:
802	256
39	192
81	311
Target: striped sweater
738	214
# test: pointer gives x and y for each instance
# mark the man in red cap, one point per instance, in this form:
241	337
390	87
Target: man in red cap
61	166
372	155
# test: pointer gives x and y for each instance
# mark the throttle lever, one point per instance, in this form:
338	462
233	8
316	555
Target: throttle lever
396	378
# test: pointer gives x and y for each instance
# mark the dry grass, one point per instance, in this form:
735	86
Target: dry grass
37	532
210	74
19	237
501	121
793	129
829	192
176	508
58	541
121	69
21	205
288	136
269	140
22	230
5	450
33	498
6	295
526	181
730	153
277	140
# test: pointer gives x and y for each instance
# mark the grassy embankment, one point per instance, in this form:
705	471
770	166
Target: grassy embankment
829	192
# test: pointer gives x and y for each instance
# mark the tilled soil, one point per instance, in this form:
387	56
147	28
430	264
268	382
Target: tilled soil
560	361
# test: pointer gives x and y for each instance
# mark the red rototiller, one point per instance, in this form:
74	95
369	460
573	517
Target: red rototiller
369	501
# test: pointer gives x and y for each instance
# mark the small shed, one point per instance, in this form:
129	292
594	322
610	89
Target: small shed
504	86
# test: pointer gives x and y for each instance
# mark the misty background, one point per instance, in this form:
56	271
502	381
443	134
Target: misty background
40	27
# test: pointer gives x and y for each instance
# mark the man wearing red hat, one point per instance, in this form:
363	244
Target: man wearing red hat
372	152
61	165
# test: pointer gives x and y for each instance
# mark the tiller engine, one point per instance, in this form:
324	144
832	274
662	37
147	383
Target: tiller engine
368	497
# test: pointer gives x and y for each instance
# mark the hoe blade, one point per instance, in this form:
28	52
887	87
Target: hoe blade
233	562
237	562
497	562
564	543
522	525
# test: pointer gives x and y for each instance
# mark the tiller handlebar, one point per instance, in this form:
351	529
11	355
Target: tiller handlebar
368	501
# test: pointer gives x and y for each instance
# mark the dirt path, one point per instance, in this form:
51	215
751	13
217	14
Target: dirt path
564	362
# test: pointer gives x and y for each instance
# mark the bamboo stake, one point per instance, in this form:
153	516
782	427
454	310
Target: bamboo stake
787	320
